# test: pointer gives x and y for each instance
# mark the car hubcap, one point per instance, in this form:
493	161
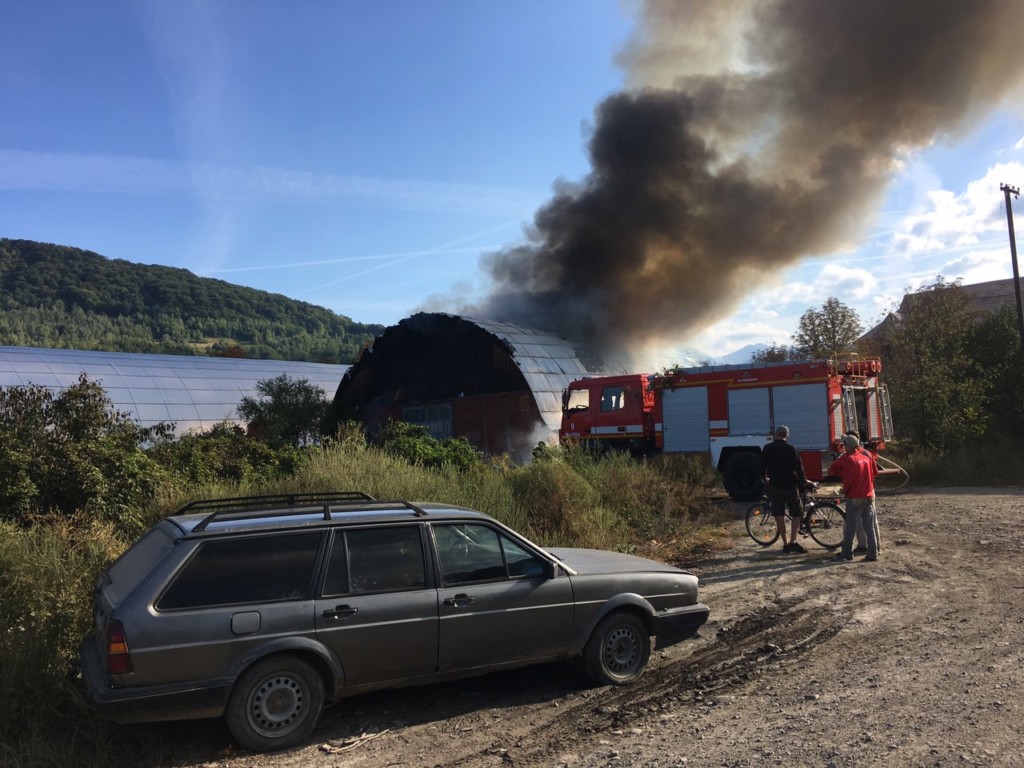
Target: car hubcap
276	704
621	651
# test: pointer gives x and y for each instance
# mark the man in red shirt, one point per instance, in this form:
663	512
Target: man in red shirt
857	470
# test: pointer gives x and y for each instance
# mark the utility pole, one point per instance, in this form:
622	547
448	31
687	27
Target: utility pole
1007	190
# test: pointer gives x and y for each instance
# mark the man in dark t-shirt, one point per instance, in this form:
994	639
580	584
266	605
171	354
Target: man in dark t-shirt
783	475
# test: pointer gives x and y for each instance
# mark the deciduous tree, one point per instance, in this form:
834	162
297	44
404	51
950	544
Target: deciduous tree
936	400
827	332
287	412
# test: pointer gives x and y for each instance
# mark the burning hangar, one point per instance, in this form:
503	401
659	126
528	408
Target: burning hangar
497	385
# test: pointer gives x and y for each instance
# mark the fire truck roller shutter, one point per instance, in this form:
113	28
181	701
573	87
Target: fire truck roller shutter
803	408
749	412
685	420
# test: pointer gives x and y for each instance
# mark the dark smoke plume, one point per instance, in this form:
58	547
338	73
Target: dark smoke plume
754	133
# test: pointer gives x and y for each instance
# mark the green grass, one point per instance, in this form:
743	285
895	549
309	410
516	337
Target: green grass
48	568
980	462
567	498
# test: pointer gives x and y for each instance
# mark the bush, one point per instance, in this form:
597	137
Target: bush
225	454
414	443
48	564
47	572
987	461
72	452
288	412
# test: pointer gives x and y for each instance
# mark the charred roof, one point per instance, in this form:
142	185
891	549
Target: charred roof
433	357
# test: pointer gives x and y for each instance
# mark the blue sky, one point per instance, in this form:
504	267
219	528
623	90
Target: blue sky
363	156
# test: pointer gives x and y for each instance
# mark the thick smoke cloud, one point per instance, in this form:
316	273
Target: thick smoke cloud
753	134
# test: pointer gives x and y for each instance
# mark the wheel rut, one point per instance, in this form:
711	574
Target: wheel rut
738	655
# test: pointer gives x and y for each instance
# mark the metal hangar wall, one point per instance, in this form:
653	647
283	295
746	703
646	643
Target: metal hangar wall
496	384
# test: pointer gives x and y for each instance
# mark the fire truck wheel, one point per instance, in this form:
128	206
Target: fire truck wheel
742	476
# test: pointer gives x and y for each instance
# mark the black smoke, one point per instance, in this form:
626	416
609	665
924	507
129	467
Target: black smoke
754	134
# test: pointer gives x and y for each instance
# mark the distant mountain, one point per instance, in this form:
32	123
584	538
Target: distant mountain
651	360
689	357
66	298
742	355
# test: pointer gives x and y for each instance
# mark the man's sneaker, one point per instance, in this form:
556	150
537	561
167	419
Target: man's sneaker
841	556
870	559
787	547
796	546
860	551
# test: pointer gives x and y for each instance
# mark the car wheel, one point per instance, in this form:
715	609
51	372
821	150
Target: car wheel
618	650
275	704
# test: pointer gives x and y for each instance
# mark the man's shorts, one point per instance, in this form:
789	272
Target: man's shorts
781	497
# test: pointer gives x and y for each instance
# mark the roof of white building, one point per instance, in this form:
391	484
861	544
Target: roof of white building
195	393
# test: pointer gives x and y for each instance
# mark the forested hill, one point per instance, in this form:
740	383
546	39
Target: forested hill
61	297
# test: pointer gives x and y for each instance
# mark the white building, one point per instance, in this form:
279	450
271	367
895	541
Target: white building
193	392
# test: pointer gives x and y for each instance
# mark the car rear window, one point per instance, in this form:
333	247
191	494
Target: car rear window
125	573
255	569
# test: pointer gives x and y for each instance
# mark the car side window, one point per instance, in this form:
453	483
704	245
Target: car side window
473	553
255	569
521	562
366	560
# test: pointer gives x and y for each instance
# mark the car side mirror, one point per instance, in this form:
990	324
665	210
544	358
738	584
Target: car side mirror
550	569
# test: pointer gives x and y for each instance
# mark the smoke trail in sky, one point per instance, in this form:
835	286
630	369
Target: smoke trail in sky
753	134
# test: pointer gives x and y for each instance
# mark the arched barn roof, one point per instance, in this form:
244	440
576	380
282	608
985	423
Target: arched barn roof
436	357
194	392
548	364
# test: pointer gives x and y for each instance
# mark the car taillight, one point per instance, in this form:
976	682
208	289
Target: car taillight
119	660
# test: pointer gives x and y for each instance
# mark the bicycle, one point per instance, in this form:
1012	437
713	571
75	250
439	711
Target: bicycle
822	520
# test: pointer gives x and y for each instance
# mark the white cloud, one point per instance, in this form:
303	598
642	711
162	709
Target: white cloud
953	220
844	283
979	266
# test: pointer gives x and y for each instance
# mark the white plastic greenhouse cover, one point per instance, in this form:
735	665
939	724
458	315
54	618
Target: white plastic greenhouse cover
195	393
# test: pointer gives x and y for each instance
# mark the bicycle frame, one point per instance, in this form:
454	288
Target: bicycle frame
822	520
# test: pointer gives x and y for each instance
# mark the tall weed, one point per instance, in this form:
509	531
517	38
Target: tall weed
47	572
989	461
48	568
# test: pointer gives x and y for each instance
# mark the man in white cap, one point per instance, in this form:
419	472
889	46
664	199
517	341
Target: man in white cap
857	470
783	475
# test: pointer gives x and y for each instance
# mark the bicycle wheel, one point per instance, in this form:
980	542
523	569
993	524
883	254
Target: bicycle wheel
825	523
761	525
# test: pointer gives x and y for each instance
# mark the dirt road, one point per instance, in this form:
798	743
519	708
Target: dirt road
915	660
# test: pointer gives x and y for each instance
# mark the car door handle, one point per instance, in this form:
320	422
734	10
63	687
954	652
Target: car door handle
340	612
459	600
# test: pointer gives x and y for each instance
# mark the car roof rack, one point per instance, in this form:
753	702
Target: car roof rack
252	502
255	507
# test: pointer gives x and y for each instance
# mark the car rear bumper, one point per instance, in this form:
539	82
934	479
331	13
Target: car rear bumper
151	703
678	624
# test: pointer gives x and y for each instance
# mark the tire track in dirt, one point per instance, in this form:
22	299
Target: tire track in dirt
754	645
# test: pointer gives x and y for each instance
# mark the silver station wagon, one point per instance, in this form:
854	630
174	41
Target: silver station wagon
261	609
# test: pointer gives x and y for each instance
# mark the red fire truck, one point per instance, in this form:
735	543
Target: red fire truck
729	412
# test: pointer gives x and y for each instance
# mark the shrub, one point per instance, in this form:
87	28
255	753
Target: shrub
288	412
72	452
226	454
47	572
987	461
414	443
